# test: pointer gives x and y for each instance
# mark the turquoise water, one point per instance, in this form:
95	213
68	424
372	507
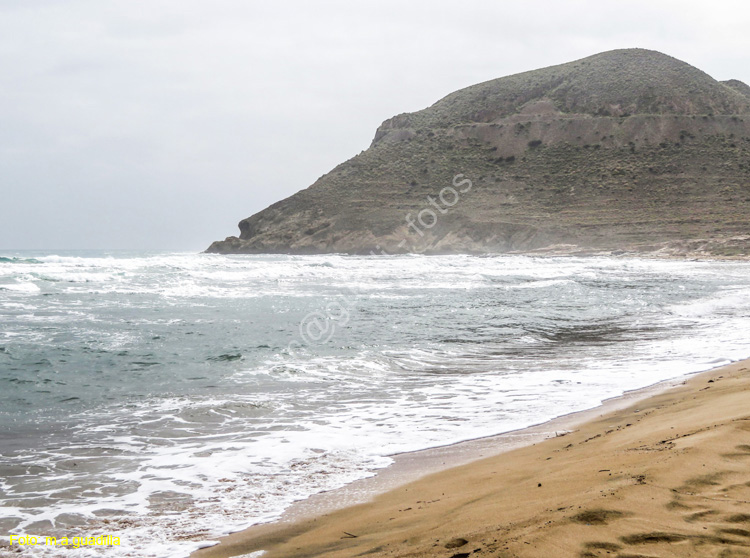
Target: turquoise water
159	393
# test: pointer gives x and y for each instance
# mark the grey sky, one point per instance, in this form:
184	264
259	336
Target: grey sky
161	124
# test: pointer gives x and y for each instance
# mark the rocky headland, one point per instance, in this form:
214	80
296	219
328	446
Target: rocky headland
626	151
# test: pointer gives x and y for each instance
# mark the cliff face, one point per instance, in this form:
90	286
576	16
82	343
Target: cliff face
625	150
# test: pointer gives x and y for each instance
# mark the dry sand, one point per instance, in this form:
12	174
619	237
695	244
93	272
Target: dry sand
666	476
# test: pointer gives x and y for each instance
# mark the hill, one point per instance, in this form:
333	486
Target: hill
628	150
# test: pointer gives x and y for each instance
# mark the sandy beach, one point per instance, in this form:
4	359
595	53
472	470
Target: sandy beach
665	476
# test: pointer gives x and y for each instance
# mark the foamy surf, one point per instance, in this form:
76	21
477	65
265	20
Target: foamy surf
176	392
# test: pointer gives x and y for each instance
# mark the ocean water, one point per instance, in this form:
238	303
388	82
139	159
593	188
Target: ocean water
168	398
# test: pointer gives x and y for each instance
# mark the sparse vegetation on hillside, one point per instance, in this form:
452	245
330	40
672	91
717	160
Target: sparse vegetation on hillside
624	150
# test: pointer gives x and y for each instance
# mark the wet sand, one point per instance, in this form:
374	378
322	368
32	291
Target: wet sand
661	472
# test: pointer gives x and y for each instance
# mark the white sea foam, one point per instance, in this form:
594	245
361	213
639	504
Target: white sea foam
20	287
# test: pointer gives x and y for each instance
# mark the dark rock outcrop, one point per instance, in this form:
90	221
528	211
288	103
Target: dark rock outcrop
625	150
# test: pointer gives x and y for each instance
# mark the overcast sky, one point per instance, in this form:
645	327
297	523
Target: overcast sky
160	124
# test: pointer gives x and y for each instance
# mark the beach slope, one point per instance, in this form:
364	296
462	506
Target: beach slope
668	476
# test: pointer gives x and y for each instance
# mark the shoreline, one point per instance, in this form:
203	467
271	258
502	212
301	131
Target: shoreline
418	466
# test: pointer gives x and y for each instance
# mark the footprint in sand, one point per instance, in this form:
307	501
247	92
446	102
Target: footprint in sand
597	517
